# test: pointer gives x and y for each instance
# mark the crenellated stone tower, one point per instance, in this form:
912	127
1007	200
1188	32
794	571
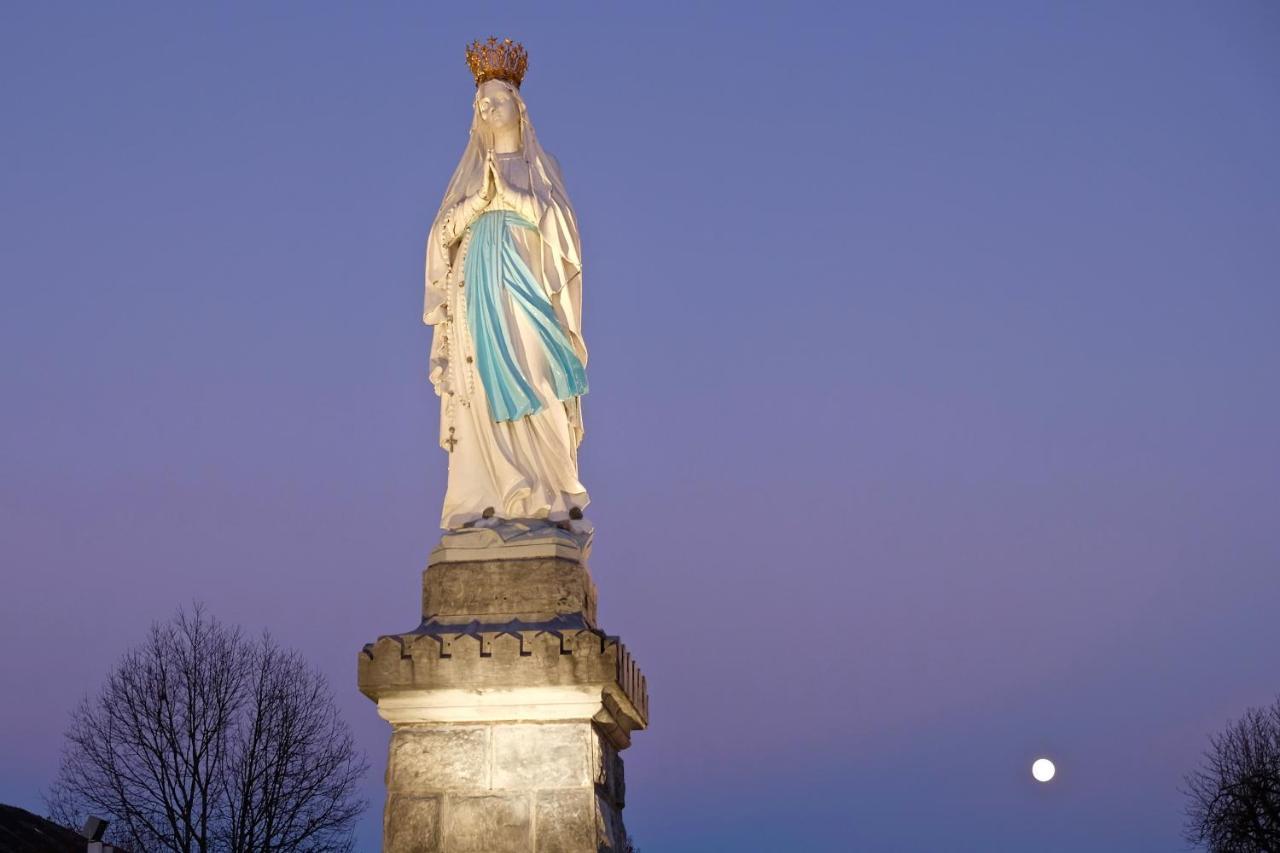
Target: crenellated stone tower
508	705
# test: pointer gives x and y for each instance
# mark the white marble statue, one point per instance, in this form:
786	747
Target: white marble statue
504	295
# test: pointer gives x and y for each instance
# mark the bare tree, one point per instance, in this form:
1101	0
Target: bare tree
1234	796
204	742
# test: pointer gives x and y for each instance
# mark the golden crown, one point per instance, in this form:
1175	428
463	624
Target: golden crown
497	60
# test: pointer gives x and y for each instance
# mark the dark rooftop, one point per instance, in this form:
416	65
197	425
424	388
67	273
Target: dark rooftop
23	832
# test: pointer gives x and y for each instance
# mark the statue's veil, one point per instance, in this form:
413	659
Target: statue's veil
562	247
545	171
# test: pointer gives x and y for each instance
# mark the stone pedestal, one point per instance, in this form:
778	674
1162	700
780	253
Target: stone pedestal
508	705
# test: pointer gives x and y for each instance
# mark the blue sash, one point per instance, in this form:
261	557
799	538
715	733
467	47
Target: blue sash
494	271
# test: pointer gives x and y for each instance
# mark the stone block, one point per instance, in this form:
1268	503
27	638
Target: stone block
444	758
565	822
541	755
611	836
607	771
496	591
488	824
412	825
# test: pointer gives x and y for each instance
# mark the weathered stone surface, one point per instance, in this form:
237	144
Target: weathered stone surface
412	824
606	770
531	590
440	758
541	755
566	822
488	824
610	833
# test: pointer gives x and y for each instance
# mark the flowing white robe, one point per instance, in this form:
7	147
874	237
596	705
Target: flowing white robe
526	468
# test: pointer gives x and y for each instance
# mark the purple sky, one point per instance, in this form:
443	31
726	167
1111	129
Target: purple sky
934	421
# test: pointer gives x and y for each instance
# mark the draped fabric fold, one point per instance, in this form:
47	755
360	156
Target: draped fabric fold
494	273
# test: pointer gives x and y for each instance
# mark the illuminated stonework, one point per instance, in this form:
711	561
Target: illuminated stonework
508	708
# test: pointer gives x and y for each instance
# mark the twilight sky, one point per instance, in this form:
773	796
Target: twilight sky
934	421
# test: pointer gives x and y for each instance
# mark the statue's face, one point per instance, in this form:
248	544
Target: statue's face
497	105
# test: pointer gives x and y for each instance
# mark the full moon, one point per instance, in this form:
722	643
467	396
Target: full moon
1043	769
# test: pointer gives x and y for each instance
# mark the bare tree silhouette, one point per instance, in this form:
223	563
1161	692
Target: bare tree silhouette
202	740
1234	796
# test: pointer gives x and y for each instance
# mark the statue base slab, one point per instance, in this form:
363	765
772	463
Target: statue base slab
511	539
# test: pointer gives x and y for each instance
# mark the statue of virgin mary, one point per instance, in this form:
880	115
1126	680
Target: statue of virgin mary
504	296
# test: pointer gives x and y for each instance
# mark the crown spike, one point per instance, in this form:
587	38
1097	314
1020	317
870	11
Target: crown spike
497	60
